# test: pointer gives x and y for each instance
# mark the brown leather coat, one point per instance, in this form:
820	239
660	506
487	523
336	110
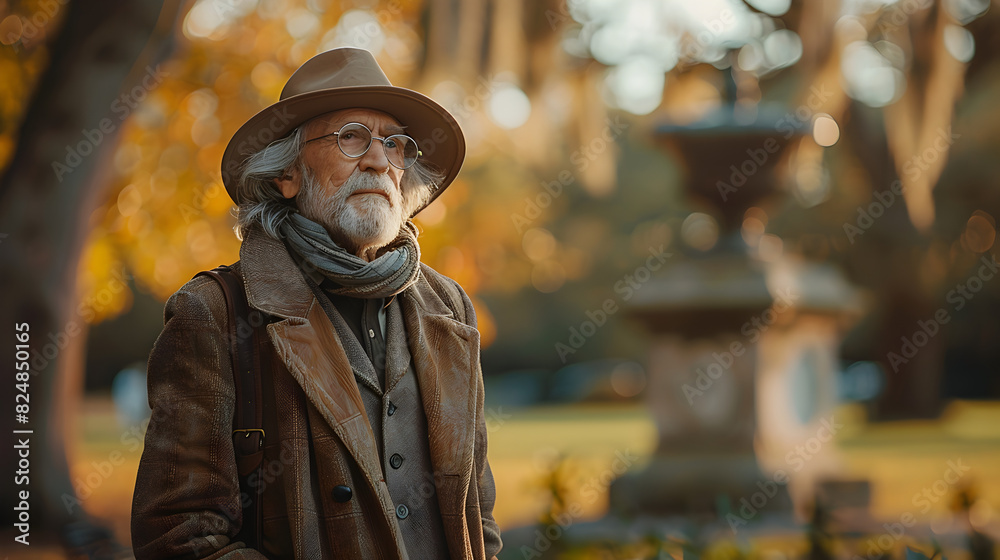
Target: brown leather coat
186	501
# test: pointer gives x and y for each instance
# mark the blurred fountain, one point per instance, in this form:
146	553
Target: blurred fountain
743	360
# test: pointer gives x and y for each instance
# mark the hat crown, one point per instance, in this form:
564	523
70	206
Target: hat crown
333	69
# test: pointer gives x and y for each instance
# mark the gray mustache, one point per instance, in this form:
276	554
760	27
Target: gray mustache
368	181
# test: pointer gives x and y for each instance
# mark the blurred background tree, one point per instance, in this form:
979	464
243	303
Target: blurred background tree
65	70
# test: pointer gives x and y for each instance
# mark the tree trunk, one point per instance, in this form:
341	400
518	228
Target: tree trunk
105	49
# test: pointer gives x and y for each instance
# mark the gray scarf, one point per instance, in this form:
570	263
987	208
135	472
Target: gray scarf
396	268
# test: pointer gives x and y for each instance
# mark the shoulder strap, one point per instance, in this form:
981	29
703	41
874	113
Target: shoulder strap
248	346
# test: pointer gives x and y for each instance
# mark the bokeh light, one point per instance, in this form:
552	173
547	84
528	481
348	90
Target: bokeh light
700	231
825	130
509	107
869	76
959	43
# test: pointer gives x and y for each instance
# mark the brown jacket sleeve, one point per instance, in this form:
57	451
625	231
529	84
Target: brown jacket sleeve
483	474
187	498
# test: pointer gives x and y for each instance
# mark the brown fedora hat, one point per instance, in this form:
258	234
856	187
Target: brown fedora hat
347	78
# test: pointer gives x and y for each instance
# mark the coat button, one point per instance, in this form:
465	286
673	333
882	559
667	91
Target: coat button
402	511
342	493
392	409
396	460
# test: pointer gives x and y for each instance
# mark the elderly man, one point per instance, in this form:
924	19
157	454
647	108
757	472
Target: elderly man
369	439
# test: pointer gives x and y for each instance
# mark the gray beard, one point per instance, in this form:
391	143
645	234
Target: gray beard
360	225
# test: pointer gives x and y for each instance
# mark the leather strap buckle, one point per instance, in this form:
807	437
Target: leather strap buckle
246	433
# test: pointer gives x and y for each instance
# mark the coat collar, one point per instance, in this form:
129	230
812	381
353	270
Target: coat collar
275	284
444	351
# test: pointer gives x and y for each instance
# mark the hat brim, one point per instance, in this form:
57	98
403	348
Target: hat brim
436	131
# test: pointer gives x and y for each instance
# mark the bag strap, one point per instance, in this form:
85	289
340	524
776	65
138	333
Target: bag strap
249	350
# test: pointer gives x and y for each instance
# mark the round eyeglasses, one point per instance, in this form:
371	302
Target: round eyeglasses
354	140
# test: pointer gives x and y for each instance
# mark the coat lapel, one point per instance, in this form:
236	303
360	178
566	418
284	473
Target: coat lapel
445	354
315	357
397	350
356	356
310	348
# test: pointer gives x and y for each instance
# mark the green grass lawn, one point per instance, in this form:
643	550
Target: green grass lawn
900	458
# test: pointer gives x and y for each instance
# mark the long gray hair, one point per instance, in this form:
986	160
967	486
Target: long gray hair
263	204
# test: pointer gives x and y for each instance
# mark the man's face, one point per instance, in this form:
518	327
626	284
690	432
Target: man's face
357	200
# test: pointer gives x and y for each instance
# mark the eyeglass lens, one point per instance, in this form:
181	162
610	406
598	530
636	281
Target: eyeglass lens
400	149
